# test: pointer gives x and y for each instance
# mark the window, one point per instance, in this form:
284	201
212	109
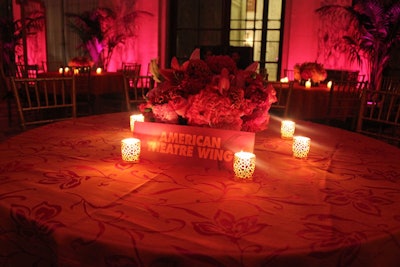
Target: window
258	24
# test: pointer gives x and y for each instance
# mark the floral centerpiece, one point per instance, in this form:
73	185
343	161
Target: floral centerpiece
209	93
312	71
80	62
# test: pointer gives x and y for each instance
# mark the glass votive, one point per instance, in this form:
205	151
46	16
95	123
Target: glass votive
329	84
308	83
244	164
135	117
61	70
287	129
98	70
301	146
284	80
130	149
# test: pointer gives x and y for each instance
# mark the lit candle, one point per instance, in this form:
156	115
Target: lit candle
66	69
76	71
284	80
135	117
308	84
329	84
98	70
244	164
301	146
60	70
287	129
130	149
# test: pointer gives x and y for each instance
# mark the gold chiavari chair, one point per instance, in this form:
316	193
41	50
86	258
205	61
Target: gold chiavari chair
344	103
44	100
379	115
131	73
283	95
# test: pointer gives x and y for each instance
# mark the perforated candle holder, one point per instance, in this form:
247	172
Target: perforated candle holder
244	164
287	129
135	117
130	149
301	146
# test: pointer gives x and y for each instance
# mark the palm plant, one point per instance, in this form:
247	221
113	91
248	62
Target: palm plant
12	33
373	35
101	30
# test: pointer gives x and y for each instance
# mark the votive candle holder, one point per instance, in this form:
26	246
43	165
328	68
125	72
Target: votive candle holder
130	149
244	164
301	146
287	129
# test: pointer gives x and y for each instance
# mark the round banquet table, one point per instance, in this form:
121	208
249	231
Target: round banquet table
68	199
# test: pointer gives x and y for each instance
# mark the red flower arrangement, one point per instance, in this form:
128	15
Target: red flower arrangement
80	62
209	93
310	71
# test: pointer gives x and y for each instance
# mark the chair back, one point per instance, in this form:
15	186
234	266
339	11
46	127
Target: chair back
27	71
390	84
83	86
132	88
379	115
283	95
44	100
344	103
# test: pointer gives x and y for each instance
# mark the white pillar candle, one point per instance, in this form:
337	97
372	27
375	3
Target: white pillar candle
135	117
287	129
301	146
130	149
244	164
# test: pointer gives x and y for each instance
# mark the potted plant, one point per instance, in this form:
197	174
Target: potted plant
12	33
373	33
101	30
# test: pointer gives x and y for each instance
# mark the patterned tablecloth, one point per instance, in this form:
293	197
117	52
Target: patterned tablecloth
67	199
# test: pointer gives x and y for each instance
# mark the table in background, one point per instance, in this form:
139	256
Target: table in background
67	199
103	87
309	103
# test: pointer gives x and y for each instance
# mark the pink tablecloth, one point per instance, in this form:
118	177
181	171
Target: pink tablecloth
67	199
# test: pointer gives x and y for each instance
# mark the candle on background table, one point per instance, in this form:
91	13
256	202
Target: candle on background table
329	84
287	129
284	80
60	70
244	164
135	117
130	149
301	146
308	83
98	70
